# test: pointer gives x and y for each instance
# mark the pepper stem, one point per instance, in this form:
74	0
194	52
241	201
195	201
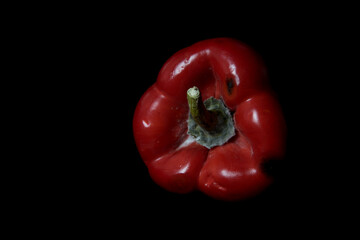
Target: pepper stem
206	119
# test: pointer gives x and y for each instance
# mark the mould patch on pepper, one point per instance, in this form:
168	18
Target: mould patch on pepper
230	85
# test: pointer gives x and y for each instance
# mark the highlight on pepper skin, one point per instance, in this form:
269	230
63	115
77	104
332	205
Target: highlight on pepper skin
216	139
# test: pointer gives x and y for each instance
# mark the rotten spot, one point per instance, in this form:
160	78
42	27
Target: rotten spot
272	167
230	85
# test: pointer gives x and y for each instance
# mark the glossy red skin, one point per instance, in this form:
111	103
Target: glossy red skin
229	172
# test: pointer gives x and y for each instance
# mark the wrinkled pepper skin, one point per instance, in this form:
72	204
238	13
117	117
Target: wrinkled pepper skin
225	69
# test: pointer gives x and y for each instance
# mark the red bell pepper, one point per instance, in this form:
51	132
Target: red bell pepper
177	160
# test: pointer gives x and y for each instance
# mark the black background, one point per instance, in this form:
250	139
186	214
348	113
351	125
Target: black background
107	60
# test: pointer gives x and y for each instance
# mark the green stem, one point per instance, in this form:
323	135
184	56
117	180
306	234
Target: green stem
206	119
